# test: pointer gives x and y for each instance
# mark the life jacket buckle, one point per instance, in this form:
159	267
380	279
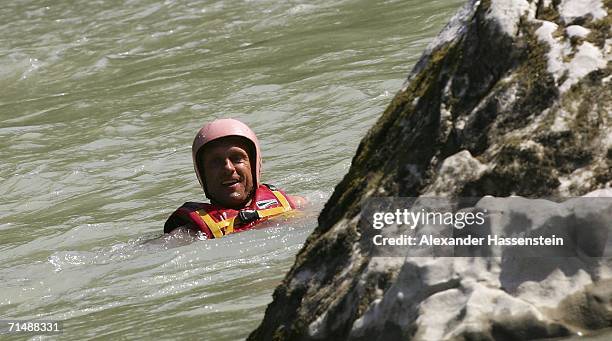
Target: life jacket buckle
247	216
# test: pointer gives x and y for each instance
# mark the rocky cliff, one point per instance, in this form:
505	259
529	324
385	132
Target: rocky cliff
512	98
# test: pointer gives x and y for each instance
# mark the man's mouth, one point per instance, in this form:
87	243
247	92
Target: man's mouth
230	182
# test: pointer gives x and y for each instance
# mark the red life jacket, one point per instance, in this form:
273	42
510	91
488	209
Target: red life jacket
216	221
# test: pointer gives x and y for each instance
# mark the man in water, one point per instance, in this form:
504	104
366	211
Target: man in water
227	162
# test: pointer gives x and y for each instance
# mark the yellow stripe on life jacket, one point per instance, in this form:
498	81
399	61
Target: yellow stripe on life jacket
283	200
285	206
214	227
225	227
230	227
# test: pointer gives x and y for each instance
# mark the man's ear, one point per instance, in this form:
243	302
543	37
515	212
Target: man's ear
253	161
199	164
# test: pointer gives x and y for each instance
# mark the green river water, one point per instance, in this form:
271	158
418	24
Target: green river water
99	103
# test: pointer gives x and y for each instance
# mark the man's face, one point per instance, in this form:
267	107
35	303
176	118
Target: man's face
226	166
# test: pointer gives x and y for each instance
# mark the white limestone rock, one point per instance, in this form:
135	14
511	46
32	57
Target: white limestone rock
577	31
455	171
508	14
571	10
588	59
453	298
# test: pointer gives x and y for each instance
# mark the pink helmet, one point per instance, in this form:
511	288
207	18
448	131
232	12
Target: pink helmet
222	128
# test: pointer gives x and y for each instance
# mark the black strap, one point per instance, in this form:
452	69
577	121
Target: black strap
271	187
247	216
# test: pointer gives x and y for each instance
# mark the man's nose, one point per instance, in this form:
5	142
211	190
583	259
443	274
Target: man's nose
229	165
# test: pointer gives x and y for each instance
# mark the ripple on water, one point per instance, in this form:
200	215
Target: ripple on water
172	266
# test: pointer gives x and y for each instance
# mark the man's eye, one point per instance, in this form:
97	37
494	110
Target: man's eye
238	159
